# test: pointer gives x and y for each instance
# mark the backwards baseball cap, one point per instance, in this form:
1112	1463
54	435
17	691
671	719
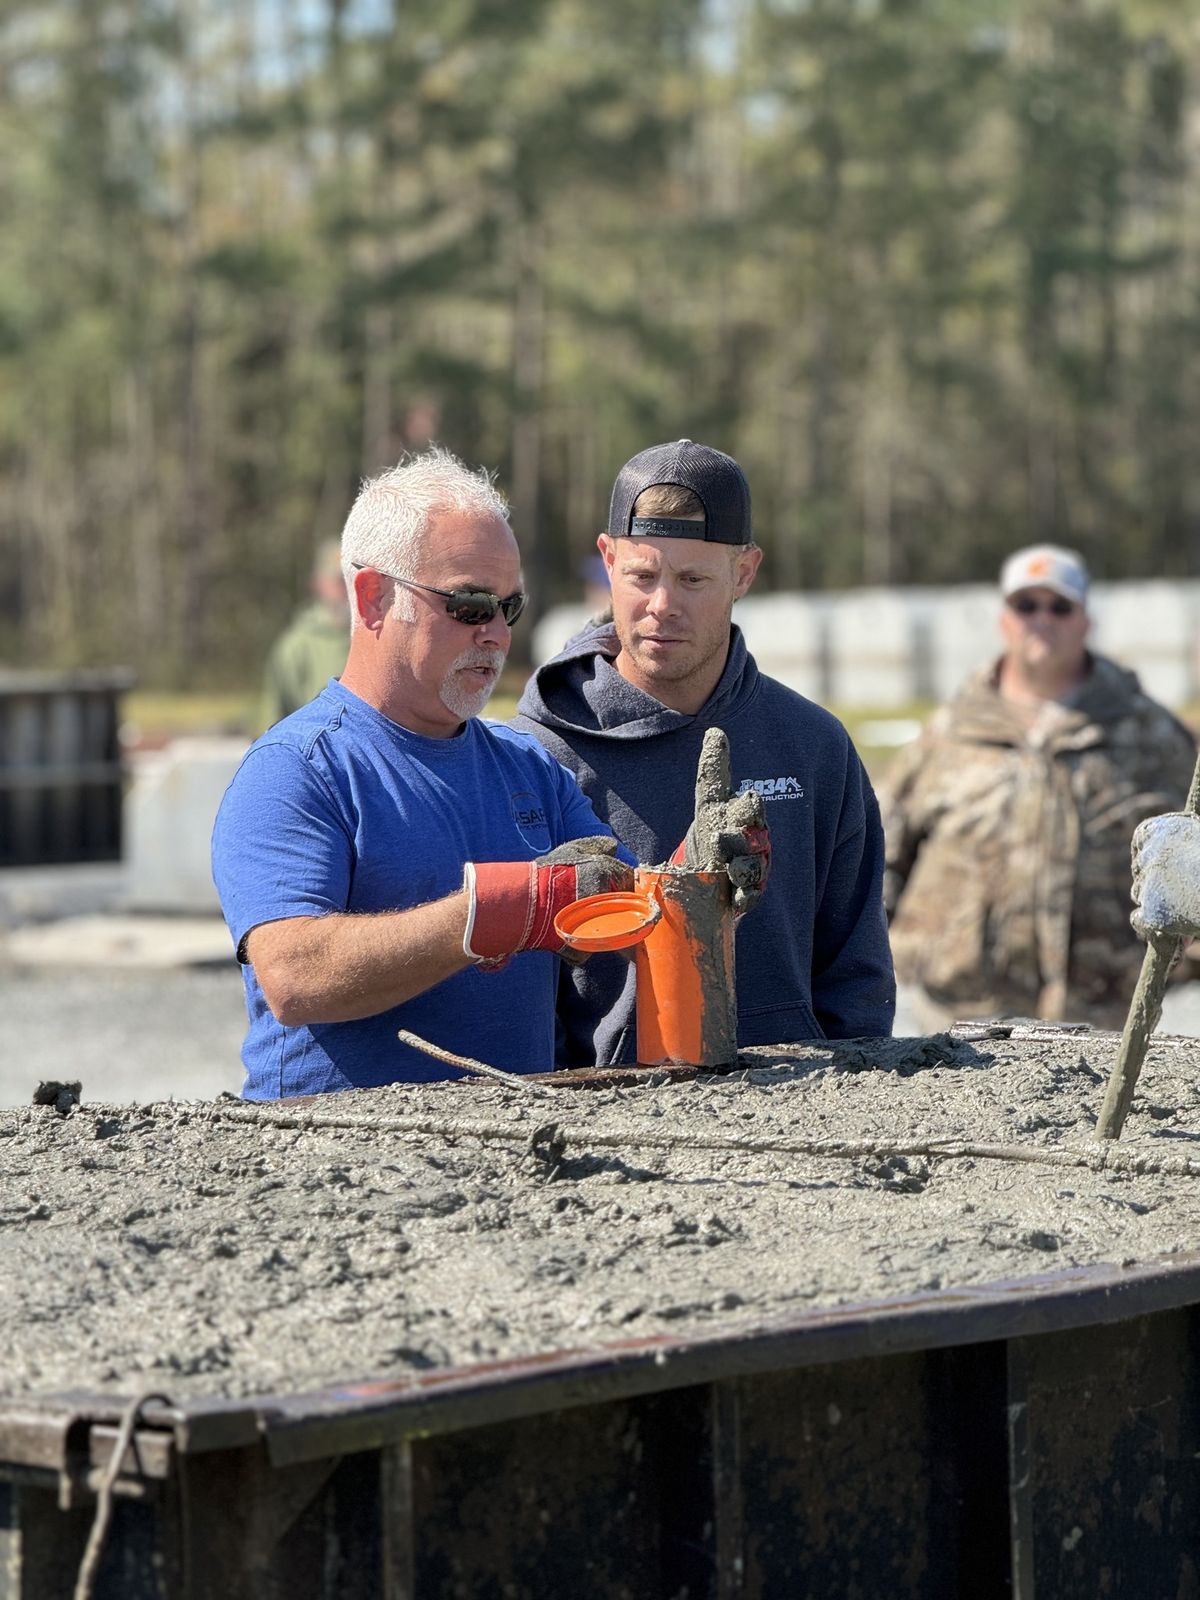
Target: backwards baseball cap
714	478
1046	566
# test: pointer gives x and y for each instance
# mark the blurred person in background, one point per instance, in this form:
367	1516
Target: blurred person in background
625	705
1008	821
312	648
597	591
559	624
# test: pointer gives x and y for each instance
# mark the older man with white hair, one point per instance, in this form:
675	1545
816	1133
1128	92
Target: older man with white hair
384	858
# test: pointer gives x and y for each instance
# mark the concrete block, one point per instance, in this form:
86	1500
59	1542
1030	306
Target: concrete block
962	632
169	814
787	634
1151	627
873	649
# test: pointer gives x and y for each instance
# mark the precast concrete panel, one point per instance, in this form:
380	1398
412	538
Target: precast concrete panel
962	634
169	815
1152	628
873	648
787	634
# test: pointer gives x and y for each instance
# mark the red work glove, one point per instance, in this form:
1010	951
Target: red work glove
729	831
514	903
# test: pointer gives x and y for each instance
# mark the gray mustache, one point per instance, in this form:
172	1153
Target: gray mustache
492	659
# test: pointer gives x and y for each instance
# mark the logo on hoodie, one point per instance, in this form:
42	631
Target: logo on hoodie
773	788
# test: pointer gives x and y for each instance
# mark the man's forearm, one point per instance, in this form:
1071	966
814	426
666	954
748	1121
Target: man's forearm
344	966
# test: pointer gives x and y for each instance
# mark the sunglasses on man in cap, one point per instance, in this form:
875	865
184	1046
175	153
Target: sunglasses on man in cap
1026	605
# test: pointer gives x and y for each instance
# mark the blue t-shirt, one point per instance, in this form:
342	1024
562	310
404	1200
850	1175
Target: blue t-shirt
338	809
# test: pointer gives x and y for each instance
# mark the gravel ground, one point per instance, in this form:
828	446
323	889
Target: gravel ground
217	1249
126	1035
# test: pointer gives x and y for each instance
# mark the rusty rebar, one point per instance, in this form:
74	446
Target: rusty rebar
1144	1011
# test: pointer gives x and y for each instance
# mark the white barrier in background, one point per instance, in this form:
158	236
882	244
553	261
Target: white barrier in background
788	637
873	648
553	628
885	648
1151	627
961	633
169	812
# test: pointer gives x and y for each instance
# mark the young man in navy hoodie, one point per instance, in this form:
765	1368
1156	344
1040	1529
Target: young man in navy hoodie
625	707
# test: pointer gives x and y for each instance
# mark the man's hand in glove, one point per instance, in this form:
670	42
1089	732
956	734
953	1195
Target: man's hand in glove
514	903
729	831
1166	876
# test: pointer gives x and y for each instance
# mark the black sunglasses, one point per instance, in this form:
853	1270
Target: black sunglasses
472	606
1028	607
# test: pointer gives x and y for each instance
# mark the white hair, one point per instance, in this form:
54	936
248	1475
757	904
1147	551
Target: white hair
388	521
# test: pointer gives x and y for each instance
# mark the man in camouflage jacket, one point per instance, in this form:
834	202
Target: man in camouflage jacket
1008	821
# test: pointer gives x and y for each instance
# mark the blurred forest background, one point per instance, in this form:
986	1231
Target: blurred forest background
929	268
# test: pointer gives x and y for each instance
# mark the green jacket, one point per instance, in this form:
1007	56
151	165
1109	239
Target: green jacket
1007	834
310	651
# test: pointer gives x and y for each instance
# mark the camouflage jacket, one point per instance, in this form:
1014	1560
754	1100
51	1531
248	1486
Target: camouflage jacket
1007	832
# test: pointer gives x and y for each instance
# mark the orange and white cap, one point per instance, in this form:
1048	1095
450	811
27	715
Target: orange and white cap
1046	566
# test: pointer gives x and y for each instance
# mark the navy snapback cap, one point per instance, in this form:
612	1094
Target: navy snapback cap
713	477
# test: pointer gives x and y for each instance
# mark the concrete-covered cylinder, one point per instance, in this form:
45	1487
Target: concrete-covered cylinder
686	993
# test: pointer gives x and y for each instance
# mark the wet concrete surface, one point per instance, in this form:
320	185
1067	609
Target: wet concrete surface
169	1246
231	1250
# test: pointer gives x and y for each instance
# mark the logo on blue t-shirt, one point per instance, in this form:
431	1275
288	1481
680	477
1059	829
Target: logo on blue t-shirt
529	815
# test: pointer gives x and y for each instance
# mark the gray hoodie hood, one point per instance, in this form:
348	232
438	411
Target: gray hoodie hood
580	691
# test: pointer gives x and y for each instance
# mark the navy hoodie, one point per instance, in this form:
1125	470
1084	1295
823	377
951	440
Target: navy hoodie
812	957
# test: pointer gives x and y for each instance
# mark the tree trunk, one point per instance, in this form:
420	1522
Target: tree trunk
528	360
